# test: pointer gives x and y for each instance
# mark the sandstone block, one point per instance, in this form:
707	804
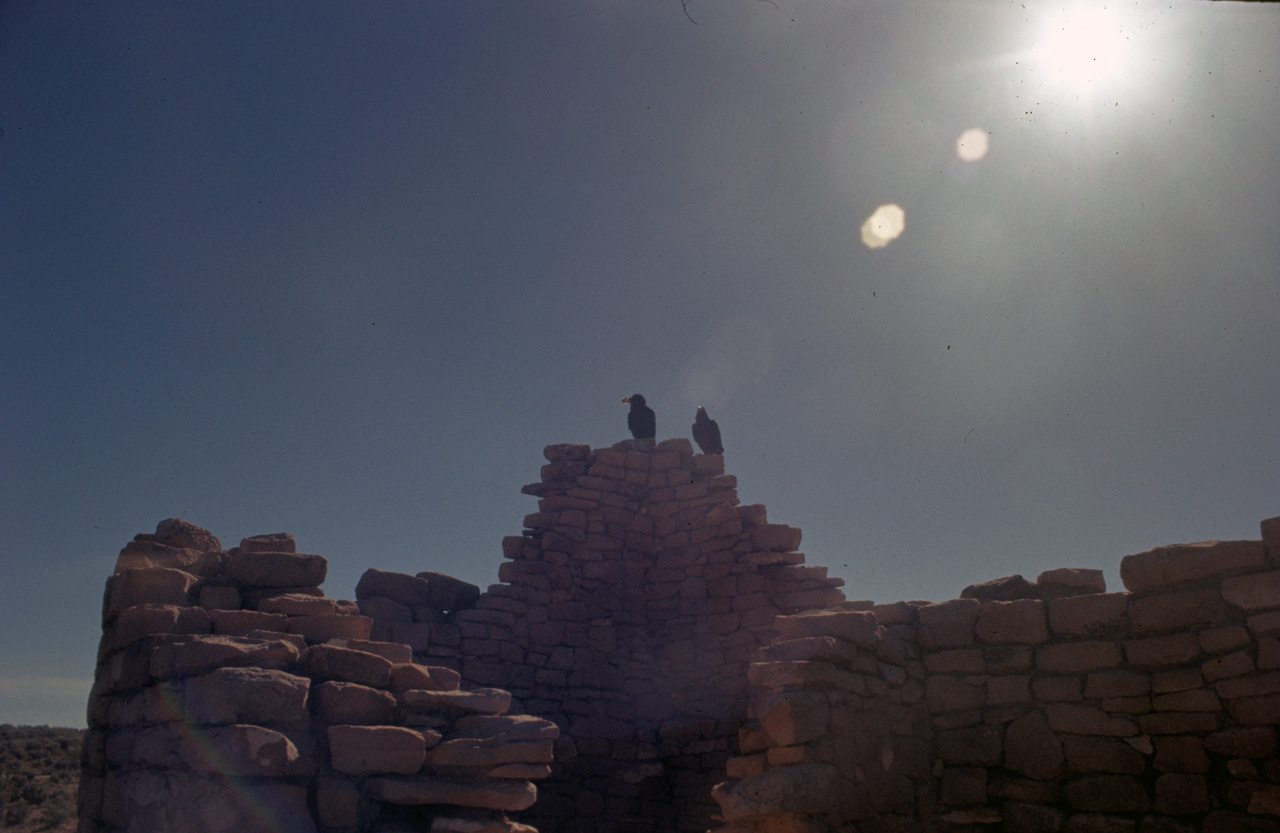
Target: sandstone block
479	701
1255	711
421	636
1024	817
1176	649
1107	794
963	786
246	695
493	794
1097	615
408	590
1013	622
351	703
255	597
1231	665
796	717
1253	593
176	532
147	585
850	625
449	593
775	538
1227	821
471	752
1250	742
1032	749
1179	610
780	675
1116	683
213	597
978	745
1005	690
957	661
425	677
337	803
1071	581
784	789
1084	719
141	554
1178	723
393	652
271	542
504	727
198	655
276	569
1077	656
134	623
947	693
370	750
1098	823
1195	700
948	624
326	662
1179	794
1181	565
1180	753
1000	589
298	604
1090	755
243	622
334	626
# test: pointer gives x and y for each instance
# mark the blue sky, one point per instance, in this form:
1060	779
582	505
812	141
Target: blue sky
343	270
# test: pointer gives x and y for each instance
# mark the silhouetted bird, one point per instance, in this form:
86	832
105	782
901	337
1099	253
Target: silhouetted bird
706	433
641	419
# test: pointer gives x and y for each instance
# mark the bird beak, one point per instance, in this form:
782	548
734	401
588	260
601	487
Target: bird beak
626	399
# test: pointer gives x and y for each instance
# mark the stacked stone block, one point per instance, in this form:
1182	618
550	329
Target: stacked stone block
627	614
231	695
1028	706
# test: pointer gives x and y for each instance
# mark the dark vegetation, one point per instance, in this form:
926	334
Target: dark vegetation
39	774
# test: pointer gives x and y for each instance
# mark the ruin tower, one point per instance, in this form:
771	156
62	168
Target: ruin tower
628	611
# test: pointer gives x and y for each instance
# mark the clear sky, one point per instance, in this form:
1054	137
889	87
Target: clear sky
342	270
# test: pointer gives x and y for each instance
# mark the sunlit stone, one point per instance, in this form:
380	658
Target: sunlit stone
883	226
972	144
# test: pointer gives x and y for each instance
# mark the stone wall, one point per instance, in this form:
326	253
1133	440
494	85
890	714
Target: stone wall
231	695
1028	707
629	610
659	658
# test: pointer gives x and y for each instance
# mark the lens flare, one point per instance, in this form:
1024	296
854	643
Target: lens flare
883	226
972	144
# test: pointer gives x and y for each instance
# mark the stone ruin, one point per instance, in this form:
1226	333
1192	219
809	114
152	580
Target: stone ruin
658	658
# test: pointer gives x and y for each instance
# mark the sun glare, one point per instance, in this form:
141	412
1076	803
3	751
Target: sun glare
972	144
883	226
1085	48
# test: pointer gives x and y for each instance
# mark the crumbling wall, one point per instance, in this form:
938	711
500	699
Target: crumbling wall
231	695
1027	707
629	610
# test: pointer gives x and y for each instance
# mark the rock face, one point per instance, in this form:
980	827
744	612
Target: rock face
238	698
1052	706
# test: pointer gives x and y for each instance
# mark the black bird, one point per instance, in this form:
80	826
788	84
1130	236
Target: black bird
641	419
706	433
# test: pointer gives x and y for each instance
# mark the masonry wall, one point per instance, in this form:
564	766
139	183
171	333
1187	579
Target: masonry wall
658	658
630	607
1028	707
231	695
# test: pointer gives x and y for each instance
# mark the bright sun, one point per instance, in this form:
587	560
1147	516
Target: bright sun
1085	48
